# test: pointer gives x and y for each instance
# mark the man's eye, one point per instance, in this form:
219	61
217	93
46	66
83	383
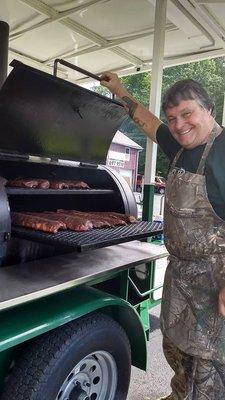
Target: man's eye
170	120
187	114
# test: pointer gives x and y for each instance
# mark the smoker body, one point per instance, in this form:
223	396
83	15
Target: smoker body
51	290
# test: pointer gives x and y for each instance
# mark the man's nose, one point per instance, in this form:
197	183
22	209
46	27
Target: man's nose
179	123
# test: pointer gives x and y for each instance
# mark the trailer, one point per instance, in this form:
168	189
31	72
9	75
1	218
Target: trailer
73	305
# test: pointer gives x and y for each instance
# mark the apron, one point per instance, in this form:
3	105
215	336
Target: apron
195	239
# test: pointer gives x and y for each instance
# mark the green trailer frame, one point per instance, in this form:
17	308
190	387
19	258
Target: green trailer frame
39	296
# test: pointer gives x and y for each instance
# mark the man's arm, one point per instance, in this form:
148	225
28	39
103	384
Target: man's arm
146	120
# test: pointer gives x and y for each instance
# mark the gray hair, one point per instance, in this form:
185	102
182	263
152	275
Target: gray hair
187	89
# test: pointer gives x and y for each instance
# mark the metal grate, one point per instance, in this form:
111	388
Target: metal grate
30	192
94	238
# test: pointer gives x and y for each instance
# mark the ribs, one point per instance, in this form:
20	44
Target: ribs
23	183
129	219
98	220
43	184
36	222
58	185
72	222
77	185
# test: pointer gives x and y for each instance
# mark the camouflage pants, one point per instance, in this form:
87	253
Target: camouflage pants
195	378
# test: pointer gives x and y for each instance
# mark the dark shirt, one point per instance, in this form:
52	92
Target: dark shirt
189	160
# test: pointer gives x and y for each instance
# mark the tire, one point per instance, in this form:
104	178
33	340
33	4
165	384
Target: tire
96	345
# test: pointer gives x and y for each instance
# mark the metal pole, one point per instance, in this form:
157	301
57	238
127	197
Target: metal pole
4	45
223	118
155	100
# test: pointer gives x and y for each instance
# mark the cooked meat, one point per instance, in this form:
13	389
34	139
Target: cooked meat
73	222
77	185
23	183
58	185
129	219
37	223
96	218
96	222
43	183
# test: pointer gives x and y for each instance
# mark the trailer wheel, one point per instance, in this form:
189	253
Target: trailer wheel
88	359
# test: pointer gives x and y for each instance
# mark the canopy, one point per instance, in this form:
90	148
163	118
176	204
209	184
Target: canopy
100	35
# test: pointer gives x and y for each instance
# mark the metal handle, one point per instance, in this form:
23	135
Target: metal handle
145	293
75	67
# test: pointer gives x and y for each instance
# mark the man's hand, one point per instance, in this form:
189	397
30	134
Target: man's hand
112	82
145	120
221	302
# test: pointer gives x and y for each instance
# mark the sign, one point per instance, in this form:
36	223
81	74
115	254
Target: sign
115	163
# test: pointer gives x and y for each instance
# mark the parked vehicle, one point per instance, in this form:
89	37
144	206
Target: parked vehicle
160	184
139	183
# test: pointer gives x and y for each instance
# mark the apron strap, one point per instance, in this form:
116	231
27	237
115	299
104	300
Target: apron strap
176	158
215	132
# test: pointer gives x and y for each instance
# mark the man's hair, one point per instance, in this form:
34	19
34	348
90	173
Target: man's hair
187	89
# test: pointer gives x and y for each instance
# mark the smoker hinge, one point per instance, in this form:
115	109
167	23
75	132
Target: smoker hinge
5	236
87	165
11	156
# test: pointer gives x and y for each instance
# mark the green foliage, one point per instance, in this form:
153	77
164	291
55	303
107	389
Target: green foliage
211	73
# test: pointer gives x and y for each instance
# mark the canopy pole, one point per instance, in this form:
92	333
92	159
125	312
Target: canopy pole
154	106
4	45
223	118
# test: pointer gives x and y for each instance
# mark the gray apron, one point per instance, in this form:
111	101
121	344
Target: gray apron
195	239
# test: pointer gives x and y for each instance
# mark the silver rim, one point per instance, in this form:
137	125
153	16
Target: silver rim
93	378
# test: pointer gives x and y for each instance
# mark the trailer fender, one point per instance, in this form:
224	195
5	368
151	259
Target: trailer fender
29	320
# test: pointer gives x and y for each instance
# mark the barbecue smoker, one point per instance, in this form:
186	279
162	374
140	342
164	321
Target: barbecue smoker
67	332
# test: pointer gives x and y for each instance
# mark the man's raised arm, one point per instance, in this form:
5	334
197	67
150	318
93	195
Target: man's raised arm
146	120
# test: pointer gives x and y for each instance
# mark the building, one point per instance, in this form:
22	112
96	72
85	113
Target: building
123	157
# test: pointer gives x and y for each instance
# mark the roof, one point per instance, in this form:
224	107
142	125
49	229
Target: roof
124	140
99	35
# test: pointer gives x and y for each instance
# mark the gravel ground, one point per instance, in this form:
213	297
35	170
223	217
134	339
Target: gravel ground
154	383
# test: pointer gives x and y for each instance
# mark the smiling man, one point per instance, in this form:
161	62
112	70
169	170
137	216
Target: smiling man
193	303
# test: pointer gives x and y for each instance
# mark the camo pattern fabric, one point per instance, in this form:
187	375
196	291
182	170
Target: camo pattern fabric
195	378
195	239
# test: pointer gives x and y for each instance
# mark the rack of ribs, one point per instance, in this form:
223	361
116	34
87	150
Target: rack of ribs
38	223
74	223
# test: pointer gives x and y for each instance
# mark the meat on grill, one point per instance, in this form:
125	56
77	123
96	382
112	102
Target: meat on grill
77	185
74	223
129	219
96	222
97	218
43	184
78	221
58	185
23	183
37	223
46	184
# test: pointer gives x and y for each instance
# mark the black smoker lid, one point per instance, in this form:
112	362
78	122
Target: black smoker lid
46	116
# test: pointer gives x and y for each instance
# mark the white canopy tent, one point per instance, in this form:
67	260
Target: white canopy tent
117	35
125	36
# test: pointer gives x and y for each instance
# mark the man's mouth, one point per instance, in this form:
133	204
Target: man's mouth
184	132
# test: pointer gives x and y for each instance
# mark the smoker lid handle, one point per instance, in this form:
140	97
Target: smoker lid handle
75	67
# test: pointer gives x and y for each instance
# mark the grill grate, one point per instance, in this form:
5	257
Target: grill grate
94	238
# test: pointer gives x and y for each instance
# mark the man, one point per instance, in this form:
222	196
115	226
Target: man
193	303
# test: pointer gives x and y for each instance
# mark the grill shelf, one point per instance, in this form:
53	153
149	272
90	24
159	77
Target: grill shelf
94	238
30	191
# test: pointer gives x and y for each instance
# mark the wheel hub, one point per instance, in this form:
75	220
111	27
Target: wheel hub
93	378
78	393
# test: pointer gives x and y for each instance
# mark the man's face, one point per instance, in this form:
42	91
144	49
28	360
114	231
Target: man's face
189	123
